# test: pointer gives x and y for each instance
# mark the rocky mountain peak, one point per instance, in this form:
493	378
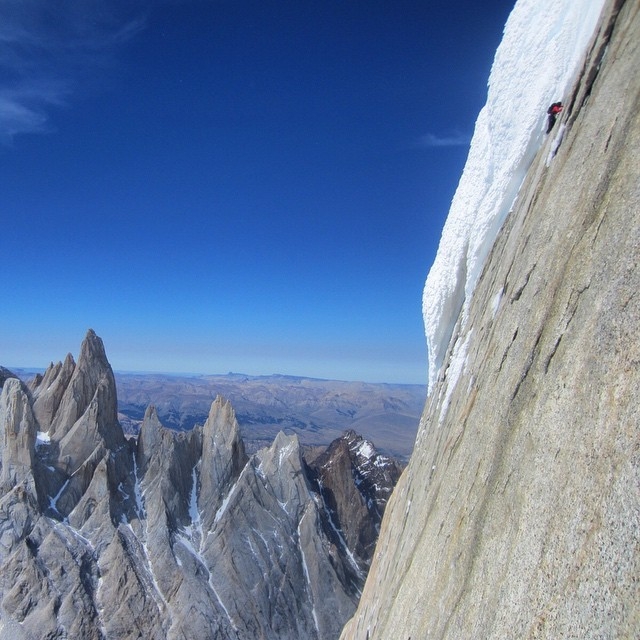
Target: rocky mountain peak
75	410
91	375
355	482
149	438
179	534
282	464
223	455
48	390
221	427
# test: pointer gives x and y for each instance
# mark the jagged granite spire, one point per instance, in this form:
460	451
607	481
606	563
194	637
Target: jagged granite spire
223	456
49	389
276	572
92	371
86	418
179	534
18	435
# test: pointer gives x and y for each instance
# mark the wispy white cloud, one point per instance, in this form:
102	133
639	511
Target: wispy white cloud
23	107
50	50
454	139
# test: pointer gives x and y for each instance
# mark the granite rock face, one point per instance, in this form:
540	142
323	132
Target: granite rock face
18	435
519	513
355	483
49	389
172	535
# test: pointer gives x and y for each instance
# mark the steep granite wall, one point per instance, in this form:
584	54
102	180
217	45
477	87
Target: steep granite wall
519	513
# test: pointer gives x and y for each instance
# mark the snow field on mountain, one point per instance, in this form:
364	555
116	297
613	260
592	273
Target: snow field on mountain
533	67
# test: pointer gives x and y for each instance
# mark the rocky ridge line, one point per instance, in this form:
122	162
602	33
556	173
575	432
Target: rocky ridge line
172	535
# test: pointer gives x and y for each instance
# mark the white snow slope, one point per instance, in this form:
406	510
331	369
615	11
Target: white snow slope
543	45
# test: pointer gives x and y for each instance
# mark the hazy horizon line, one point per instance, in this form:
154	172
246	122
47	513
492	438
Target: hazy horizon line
195	374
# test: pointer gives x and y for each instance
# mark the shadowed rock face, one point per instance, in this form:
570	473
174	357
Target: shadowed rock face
5	374
518	515
177	534
355	482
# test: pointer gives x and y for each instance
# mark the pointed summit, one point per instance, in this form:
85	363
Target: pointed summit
223	454
282	465
77	405
92	348
92	373
48	390
149	439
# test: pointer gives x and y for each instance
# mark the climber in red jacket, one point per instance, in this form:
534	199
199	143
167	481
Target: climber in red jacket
553	112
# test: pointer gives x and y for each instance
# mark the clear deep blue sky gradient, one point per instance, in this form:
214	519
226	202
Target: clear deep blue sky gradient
247	186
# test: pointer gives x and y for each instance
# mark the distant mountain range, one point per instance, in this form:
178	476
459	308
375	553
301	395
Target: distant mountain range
318	411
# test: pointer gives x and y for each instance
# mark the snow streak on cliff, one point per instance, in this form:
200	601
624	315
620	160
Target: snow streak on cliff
543	45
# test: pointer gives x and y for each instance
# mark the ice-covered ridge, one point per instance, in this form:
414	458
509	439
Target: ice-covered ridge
533	67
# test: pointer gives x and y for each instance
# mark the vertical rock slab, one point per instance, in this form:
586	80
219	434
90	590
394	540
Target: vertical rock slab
166	471
49	389
18	433
519	513
149	443
223	458
129	604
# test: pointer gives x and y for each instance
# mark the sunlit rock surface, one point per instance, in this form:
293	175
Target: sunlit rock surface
519	513
172	535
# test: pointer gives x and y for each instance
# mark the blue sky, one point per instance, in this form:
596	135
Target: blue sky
243	186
